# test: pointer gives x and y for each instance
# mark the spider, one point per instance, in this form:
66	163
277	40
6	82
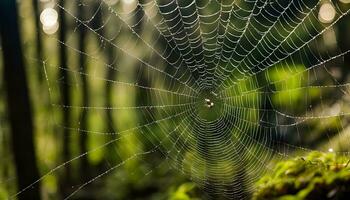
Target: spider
208	103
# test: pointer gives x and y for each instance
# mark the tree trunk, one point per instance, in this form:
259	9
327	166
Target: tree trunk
38	37
84	164
65	97
141	72
344	44
111	73
18	102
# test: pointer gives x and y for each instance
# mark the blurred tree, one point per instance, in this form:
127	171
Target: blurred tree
38	36
84	164
110	74
65	96
344	44
141	71
19	108
97	23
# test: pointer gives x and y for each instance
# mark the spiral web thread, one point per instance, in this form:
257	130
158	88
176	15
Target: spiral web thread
260	65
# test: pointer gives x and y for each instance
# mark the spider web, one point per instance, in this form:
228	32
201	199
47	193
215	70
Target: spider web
226	86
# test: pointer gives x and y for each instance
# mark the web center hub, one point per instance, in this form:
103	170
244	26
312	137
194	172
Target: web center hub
209	106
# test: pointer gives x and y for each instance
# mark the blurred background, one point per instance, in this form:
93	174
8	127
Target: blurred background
77	77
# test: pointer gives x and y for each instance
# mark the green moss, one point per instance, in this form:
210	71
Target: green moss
317	176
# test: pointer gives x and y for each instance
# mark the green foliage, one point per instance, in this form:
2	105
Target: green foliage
186	191
318	176
288	91
3	193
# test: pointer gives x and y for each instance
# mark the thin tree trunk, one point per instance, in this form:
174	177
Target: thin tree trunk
84	164
38	35
19	108
344	43
65	97
142	94
110	55
110	74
